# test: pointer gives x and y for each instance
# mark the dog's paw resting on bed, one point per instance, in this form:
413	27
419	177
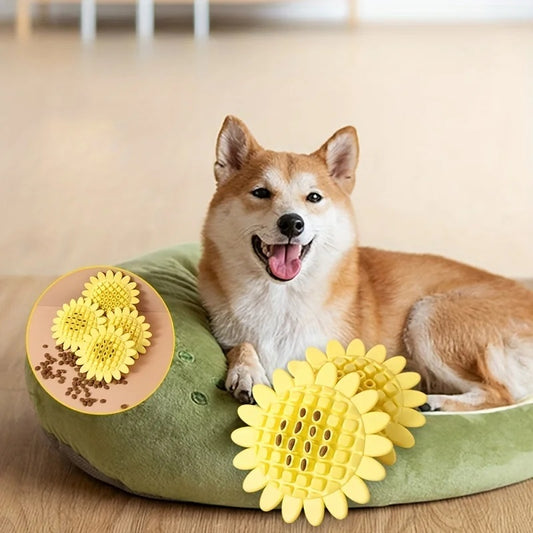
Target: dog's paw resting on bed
245	371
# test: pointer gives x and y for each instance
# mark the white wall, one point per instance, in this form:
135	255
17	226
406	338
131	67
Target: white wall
445	10
333	10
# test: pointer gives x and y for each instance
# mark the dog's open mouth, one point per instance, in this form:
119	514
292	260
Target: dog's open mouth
283	261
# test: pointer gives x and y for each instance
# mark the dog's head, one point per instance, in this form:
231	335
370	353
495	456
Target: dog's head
281	213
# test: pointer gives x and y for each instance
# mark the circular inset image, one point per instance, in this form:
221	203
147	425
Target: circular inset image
75	378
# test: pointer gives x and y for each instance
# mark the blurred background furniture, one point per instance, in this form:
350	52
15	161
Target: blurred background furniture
88	13
144	14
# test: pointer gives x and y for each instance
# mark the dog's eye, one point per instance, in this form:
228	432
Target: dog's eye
261	192
313	197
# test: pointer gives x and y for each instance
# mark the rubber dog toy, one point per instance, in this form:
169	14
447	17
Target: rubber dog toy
311	442
106	345
386	377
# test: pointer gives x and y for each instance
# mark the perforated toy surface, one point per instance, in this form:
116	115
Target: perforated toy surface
386	377
110	290
74	321
311	442
134	325
106	353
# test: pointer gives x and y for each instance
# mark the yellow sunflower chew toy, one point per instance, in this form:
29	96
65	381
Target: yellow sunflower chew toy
312	439
111	290
108	345
386	377
311	442
75	320
101	333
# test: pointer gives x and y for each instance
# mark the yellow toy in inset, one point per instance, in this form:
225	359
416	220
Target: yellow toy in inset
311	441
106	353
106	345
133	324
75	320
111	290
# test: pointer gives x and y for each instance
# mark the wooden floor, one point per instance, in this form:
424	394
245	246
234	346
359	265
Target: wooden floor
41	492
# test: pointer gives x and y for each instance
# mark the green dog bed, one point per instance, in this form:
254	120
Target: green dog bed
176	445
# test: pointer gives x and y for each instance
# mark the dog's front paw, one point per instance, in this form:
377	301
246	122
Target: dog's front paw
245	371
242	378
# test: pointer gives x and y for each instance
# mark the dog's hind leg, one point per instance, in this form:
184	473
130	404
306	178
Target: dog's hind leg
472	347
477	398
244	371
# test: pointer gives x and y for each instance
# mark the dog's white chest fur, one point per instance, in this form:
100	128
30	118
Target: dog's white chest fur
280	323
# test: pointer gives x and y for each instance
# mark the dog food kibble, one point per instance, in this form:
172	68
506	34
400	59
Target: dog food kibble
81	388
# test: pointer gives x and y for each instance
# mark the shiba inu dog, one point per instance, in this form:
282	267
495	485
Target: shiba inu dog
282	270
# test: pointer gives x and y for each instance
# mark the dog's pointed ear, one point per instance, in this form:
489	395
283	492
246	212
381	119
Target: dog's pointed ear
235	144
341	155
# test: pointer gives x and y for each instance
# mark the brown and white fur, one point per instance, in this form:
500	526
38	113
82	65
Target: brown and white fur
469	333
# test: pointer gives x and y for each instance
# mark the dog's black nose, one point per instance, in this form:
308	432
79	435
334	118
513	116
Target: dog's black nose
291	225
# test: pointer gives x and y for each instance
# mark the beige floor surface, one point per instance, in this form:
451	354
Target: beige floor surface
107	151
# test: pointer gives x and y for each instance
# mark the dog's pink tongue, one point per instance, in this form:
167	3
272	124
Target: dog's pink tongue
285	261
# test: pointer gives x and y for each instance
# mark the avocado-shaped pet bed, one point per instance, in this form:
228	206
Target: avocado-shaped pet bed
177	444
